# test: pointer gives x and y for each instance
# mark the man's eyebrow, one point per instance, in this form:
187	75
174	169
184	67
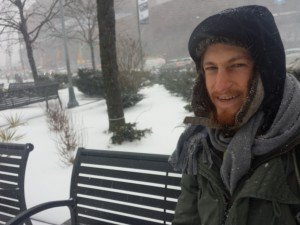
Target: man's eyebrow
208	63
238	58
231	60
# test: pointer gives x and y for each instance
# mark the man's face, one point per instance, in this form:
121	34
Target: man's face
228	70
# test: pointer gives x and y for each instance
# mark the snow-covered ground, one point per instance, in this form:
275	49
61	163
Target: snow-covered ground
47	179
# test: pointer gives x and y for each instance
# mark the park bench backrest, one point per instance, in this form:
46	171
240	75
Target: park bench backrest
48	90
13	160
17	86
123	187
20	94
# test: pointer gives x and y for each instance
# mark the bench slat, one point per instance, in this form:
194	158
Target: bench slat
169	217
11	151
122	186
135	210
9	169
8	160
12	193
152	202
127	163
9	202
9	210
9	178
5	218
134	187
115	217
151	178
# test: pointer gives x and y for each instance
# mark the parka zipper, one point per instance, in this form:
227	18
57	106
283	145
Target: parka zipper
228	204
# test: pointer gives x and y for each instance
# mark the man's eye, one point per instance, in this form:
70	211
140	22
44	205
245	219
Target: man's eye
210	68
238	65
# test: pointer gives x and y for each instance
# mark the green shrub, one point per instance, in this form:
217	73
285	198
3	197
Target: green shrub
90	82
178	83
130	84
128	133
61	78
44	78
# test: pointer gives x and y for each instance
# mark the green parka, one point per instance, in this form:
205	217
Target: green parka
268	195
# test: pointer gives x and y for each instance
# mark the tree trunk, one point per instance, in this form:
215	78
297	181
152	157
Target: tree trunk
92	55
28	44
107	34
30	57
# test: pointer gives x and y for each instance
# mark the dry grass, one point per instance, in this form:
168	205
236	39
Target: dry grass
67	135
9	133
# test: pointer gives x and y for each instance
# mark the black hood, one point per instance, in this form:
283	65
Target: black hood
254	27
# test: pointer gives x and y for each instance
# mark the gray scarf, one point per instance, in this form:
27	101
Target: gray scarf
239	149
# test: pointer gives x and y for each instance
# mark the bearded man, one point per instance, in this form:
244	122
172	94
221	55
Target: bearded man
239	155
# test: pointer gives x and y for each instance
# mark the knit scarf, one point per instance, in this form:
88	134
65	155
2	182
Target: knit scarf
239	149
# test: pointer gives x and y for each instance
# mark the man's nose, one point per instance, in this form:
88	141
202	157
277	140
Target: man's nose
223	81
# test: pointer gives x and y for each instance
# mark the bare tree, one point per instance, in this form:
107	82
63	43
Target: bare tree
128	53
81	17
107	35
84	13
28	18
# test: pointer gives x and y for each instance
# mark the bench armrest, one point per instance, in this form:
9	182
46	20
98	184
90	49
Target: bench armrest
19	219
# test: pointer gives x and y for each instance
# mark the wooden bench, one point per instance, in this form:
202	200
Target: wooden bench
13	160
18	86
20	94
109	187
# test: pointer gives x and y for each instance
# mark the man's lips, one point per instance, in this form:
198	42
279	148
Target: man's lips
226	98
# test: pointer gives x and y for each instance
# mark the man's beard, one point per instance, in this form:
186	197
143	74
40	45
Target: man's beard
225	119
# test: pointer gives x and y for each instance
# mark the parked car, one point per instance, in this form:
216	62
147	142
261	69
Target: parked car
154	64
180	64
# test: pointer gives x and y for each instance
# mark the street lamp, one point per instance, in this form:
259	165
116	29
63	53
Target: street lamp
72	99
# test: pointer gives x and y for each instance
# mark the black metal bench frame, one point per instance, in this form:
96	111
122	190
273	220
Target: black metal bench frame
124	187
21	94
13	161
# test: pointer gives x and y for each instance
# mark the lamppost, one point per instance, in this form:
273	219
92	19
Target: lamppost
72	99
139	35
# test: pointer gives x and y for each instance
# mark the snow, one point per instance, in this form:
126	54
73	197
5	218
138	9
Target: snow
47	180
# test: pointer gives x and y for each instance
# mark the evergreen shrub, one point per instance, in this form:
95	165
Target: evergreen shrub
90	82
180	84
130	84
61	78
128	133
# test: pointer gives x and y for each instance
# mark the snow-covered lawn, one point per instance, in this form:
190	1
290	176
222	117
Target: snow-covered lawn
47	179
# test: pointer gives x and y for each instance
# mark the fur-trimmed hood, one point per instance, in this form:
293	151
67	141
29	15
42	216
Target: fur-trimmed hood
254	28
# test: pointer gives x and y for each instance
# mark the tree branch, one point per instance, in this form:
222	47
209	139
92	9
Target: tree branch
50	14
